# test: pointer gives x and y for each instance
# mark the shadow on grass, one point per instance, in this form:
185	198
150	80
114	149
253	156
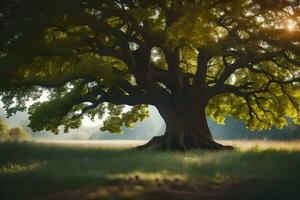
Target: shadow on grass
33	171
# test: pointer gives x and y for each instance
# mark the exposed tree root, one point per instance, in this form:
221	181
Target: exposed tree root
155	143
159	143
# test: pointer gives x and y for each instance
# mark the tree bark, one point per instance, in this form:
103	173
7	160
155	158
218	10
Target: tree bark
186	128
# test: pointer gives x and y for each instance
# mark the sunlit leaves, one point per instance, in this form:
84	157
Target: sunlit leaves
215	67
195	28
263	110
153	16
118	117
223	105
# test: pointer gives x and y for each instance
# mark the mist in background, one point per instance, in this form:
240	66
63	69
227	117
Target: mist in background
152	126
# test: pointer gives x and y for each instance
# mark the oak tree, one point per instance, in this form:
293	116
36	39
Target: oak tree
190	59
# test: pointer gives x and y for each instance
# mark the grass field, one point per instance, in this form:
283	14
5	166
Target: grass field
111	170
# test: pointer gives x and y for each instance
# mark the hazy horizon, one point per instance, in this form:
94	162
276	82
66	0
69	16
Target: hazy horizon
145	130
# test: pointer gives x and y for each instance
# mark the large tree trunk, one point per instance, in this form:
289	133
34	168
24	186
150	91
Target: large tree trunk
186	128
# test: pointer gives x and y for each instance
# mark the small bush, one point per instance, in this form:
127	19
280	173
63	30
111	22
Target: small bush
3	126
3	131
12	134
18	134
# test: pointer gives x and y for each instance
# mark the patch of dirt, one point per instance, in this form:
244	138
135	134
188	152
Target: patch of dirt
159	189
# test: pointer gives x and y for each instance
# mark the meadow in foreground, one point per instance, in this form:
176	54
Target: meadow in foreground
48	171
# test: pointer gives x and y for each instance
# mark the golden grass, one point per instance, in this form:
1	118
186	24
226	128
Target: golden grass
245	145
242	145
14	168
107	144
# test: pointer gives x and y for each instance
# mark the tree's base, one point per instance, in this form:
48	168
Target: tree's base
159	143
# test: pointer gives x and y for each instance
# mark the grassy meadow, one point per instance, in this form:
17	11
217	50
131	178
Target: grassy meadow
112	170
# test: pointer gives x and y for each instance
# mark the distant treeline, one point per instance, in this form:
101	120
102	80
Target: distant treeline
231	130
154	126
236	130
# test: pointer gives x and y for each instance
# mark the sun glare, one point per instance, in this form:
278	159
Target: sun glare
291	25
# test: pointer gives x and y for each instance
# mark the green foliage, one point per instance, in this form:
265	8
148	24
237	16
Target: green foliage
118	117
194	28
92	58
15	99
51	114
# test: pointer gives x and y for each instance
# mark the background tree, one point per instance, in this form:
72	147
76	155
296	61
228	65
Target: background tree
12	134
188	58
3	131
18	134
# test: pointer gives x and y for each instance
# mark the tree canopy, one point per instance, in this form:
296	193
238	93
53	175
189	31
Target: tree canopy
93	57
